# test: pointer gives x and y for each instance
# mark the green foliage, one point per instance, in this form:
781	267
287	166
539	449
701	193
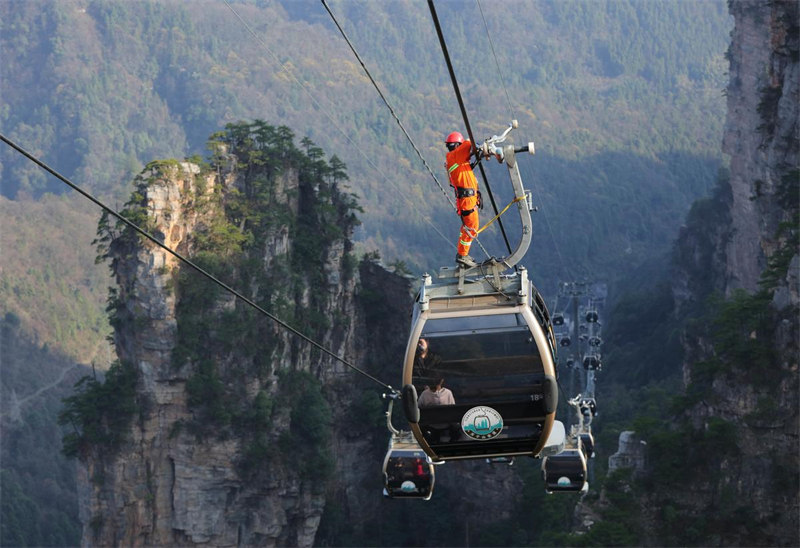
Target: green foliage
307	444
742	331
49	281
788	197
27	522
621	94
20	514
677	453
260	452
766	411
400	268
349	264
768	108
100	413
39	502
621	523
221	238
233	224
553	514
197	295
236	222
207	392
639	322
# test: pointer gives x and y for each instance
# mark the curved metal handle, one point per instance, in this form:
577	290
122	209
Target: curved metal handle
389	424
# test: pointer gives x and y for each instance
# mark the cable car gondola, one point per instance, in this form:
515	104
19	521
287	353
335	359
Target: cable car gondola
558	319
407	471
490	342
566	471
591	316
592	362
588	407
587	443
565	341
585	409
494	348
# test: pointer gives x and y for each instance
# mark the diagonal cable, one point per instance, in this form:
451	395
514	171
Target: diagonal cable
386	102
330	118
186	261
464	111
391	110
496	62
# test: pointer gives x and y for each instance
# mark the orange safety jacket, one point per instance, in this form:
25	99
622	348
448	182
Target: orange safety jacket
462	177
466	187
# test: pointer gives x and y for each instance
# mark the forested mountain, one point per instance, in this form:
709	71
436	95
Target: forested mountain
625	103
623	99
706	358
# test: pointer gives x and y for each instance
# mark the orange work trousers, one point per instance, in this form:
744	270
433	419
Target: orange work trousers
469	225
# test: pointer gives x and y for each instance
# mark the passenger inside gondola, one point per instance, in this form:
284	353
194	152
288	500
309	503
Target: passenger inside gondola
425	364
485	359
489	360
436	395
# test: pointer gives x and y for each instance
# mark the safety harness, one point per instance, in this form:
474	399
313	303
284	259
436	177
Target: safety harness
462	192
474	233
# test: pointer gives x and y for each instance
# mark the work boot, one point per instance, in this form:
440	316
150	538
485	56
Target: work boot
465	261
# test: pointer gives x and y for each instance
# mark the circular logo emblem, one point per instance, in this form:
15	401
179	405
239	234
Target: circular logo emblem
482	423
408	487
564	481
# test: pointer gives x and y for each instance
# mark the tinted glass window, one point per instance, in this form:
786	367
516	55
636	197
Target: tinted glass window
407	454
471	324
488	358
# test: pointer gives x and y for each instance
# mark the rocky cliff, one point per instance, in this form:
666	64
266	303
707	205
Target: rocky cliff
231	430
191	469
741	369
752	382
761	133
721	465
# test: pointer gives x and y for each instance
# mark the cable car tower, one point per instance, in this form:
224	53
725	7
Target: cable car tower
479	377
579	333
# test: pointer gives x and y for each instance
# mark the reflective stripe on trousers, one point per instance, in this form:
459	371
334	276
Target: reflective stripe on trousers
470	224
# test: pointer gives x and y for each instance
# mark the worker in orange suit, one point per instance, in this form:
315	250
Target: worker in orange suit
467	196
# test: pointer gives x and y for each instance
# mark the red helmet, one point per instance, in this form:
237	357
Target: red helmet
455	137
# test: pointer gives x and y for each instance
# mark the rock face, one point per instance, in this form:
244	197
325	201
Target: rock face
630	453
749	232
725	469
244	433
166	486
762	133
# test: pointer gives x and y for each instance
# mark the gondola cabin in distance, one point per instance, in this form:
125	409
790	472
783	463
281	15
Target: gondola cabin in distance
408	472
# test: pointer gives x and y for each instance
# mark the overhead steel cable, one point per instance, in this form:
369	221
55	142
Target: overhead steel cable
330	118
188	262
464	112
391	110
386	102
496	62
